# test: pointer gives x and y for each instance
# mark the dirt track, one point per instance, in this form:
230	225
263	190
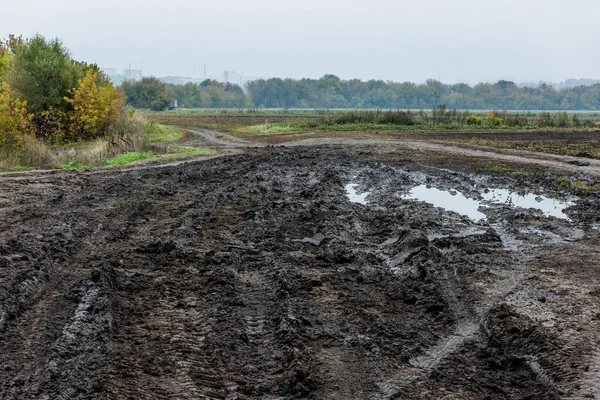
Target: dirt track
255	276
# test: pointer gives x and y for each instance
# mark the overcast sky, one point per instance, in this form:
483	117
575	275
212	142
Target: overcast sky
399	40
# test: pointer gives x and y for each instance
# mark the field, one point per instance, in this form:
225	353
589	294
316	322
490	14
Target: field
309	264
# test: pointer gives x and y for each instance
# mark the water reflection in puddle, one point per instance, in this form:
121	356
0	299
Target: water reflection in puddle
354	196
450	201
550	207
457	202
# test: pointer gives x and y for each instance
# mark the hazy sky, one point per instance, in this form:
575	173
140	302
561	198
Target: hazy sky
464	40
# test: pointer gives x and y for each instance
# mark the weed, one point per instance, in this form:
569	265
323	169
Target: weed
502	169
577	186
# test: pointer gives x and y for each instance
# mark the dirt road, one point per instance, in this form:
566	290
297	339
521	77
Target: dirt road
255	276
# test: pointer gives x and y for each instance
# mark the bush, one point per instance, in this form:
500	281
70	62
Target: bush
561	120
96	109
493	119
517	120
473	120
545	120
440	115
15	122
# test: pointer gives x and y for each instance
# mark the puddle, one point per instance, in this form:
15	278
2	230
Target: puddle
354	196
550	207
457	202
454	201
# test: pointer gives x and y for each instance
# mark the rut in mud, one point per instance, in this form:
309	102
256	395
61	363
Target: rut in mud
256	276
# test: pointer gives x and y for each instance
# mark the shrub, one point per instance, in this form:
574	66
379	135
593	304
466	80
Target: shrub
517	120
561	120
473	120
96	108
15	122
493	119
545	120
440	115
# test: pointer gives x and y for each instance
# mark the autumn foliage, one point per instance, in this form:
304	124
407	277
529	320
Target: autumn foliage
15	122
96	108
44	93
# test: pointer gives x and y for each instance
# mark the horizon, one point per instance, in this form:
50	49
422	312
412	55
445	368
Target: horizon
410	40
122	72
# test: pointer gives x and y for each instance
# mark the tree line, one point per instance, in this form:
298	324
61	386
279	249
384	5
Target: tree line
332	92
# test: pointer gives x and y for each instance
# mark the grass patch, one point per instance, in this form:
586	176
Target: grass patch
180	152
190	151
283	122
502	169
162	134
20	168
577	186
579	148
128	158
269	129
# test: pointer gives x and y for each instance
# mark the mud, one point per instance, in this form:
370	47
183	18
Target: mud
254	276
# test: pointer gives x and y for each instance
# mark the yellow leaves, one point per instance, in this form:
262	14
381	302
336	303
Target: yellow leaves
15	122
96	109
5	60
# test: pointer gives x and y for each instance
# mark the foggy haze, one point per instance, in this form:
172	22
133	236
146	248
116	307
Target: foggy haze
411	40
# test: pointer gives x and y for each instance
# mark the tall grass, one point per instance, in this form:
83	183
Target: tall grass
370	117
132	135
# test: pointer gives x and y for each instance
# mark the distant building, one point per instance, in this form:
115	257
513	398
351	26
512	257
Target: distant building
132	74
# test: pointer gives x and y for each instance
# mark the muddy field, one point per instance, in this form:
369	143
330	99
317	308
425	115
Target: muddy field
299	272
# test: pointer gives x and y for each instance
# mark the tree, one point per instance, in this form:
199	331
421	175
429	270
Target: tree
147	93
5	61
97	106
42	75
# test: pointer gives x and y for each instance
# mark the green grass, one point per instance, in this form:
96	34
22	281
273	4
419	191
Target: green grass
269	129
190	151
128	158
162	134
20	168
173	153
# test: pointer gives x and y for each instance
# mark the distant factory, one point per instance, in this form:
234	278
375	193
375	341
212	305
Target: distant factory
127	75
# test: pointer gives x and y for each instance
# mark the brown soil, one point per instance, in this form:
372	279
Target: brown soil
254	276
